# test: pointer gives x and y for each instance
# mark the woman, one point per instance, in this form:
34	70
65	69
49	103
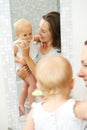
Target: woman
50	43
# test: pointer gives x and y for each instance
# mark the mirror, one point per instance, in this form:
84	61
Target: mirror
32	11
10	12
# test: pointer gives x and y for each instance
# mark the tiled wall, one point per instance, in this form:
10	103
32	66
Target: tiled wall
6	38
6	57
66	28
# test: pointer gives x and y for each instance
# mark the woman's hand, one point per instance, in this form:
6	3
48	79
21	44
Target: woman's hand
24	72
30	63
22	62
25	49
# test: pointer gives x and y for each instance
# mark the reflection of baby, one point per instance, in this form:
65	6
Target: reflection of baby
23	31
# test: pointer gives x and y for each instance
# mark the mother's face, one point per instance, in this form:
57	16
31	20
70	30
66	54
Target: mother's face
44	31
83	71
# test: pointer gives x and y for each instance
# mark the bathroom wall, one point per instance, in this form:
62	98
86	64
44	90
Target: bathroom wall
8	109
79	35
3	104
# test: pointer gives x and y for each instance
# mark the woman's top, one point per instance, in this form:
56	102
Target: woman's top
39	55
62	119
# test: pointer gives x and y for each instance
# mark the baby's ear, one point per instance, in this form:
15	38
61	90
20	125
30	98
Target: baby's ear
72	83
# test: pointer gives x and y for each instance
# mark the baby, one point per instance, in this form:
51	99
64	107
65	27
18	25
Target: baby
58	111
23	31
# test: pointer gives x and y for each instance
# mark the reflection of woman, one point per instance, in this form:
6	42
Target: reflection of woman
49	35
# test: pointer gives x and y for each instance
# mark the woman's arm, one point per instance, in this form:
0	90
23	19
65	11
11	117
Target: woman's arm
24	72
29	125
80	110
27	58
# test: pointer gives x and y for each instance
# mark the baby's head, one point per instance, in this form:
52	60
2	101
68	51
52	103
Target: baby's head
54	75
23	29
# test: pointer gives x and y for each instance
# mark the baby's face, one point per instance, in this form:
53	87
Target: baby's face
26	34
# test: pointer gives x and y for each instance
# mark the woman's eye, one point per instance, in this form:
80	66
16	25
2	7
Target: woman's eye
43	31
85	65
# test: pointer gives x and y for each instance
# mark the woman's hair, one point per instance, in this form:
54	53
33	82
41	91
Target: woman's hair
54	75
53	18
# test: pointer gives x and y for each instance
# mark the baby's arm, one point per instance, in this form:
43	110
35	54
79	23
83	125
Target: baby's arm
29	125
17	59
80	110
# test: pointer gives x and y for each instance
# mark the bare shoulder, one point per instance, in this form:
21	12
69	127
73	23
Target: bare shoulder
80	109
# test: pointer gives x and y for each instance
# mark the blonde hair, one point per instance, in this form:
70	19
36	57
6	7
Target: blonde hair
54	74
20	24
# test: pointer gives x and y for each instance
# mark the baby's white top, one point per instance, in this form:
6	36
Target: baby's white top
62	119
33	49
33	52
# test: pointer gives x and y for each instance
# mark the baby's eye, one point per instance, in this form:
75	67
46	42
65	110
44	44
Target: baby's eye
25	35
30	33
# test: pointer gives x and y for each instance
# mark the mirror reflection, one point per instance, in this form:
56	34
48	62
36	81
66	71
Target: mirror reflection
30	13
